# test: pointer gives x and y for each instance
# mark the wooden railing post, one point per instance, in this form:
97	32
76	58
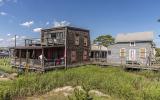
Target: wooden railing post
20	61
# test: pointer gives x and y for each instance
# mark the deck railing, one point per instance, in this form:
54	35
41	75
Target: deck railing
44	41
33	41
52	41
36	63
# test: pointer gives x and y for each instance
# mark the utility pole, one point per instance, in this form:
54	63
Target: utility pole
15	53
15	40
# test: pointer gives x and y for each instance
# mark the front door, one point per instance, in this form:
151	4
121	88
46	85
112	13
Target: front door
132	54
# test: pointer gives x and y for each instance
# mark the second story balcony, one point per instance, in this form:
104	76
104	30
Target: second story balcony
52	41
33	42
44	42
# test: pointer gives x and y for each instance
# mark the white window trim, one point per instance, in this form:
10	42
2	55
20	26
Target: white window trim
133	45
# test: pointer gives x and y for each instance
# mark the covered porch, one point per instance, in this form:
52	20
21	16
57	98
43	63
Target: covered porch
38	57
98	53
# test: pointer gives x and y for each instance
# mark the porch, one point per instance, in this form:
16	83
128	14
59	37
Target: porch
38	58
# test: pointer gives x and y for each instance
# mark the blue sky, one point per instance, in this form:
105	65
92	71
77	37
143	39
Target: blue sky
25	17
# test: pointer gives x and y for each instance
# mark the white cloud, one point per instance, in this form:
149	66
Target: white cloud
2	2
37	29
3	13
22	37
61	23
9	41
1	39
8	34
47	23
27	24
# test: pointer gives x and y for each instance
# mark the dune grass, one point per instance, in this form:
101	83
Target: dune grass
5	65
112	81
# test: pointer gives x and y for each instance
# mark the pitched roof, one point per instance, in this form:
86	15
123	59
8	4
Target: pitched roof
138	36
95	47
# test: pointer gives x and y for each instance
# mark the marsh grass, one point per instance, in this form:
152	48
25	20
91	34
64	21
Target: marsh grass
5	65
112	81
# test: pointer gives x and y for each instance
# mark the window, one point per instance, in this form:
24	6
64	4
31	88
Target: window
142	53
109	52
42	37
85	41
53	35
85	55
73	56
122	52
132	43
76	39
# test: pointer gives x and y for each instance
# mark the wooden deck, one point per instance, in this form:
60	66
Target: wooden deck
129	66
143	67
40	68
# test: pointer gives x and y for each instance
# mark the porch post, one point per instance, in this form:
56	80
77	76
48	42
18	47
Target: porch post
65	48
42	62
27	56
20	58
94	57
25	42
33	57
15	57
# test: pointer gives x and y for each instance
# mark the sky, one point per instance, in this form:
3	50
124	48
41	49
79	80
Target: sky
25	18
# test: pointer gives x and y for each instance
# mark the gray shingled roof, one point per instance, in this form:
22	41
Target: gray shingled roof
95	47
138	36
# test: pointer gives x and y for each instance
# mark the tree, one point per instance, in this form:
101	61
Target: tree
105	40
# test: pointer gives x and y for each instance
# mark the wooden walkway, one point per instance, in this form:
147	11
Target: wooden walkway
129	66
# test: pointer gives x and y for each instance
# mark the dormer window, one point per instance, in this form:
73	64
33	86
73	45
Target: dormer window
132	44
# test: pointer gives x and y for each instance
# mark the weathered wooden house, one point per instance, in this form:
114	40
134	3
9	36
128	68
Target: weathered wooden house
132	48
58	47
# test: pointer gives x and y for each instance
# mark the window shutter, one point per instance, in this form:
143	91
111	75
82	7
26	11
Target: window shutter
122	52
142	53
